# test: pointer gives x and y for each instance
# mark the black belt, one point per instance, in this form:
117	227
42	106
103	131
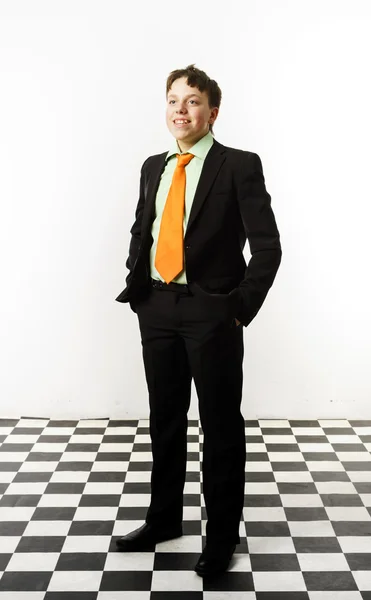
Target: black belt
172	286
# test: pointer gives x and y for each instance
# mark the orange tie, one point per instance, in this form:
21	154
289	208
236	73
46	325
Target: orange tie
169	253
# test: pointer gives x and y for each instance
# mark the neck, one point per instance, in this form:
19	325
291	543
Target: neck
185	146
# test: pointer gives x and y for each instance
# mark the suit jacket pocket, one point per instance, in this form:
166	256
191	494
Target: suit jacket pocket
218	298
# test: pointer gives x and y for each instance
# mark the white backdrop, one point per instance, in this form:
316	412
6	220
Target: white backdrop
82	105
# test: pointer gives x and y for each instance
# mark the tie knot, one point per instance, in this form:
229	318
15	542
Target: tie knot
184	159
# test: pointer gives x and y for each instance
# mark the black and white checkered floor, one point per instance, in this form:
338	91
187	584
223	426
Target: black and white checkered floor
69	489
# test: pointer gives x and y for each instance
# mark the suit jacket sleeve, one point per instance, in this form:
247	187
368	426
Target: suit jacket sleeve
262	234
135	242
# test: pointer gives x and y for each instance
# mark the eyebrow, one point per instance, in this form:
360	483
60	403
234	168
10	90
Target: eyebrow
189	95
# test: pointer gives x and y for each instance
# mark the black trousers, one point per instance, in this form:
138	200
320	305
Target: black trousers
188	333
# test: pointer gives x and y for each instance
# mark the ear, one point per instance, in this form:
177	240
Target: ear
214	114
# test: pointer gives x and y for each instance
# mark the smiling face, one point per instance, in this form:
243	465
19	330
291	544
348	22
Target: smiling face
185	103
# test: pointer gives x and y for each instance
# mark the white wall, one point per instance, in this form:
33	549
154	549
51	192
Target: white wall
82	104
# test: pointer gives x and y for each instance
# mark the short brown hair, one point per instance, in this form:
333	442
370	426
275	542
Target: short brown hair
199	79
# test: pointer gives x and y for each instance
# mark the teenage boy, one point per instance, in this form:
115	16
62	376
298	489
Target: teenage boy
192	291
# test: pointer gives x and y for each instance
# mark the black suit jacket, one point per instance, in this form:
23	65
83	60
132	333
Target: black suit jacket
231	204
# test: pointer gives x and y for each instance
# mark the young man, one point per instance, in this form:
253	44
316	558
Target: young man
190	286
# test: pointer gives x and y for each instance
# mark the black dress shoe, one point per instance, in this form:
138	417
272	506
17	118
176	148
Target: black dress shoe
214	559
145	537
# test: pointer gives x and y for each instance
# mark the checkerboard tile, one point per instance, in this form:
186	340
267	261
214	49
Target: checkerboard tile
69	489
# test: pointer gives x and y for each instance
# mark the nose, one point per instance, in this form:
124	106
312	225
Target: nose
181	108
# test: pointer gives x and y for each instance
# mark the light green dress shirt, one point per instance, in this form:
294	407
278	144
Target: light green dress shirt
193	172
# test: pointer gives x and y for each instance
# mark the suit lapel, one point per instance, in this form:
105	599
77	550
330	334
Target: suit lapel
213	162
